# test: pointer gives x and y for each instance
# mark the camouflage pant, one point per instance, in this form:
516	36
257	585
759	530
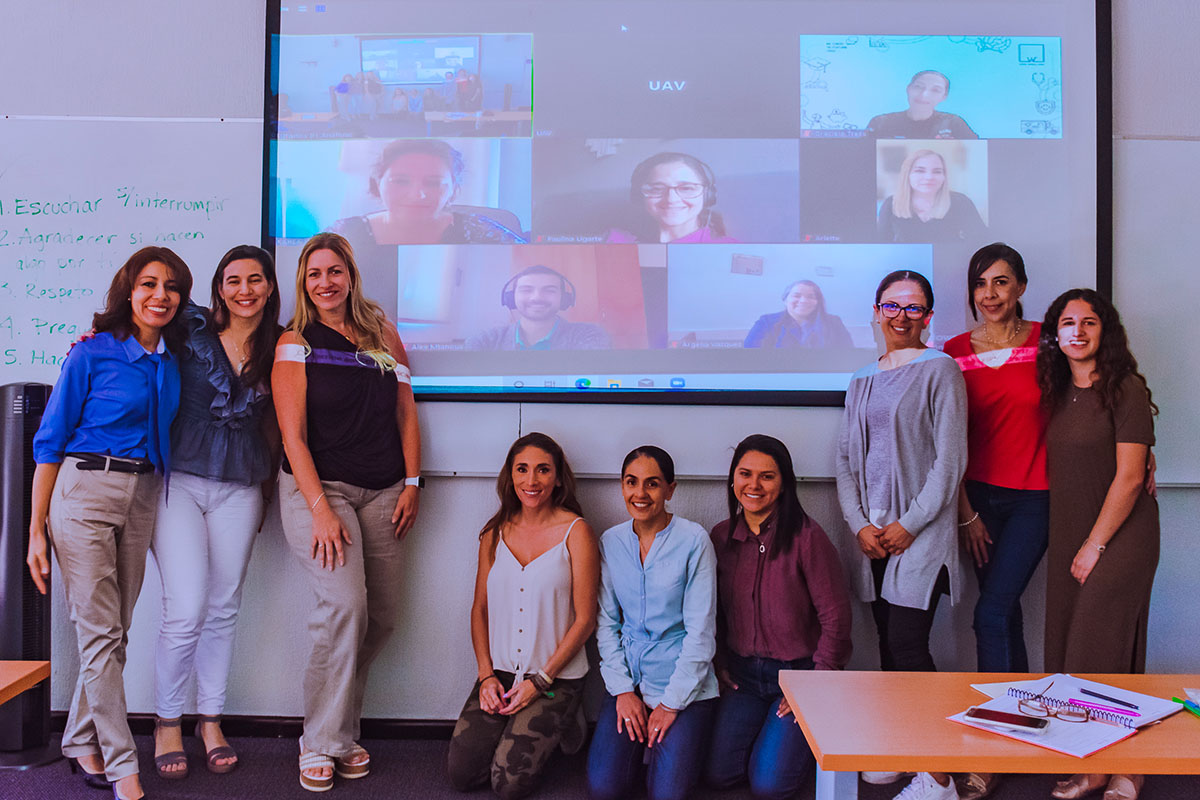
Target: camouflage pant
510	750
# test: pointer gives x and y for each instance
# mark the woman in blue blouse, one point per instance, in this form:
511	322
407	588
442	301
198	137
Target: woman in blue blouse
101	452
657	636
224	444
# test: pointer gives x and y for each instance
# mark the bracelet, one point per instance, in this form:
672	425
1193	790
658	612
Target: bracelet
487	677
968	522
1100	548
540	680
320	497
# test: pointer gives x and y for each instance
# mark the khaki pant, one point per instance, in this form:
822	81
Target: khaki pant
356	609
100	527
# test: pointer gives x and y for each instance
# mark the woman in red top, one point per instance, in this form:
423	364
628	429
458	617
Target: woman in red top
1004	500
1003	507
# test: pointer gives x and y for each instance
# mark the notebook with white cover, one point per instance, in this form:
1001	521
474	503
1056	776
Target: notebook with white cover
1078	739
1060	690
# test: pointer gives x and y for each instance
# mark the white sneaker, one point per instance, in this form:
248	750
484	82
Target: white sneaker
924	787
882	778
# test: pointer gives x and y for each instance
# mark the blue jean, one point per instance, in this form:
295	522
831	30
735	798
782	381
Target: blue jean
750	743
672	766
1018	522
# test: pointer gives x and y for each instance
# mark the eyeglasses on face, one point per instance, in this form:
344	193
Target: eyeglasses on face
685	191
892	310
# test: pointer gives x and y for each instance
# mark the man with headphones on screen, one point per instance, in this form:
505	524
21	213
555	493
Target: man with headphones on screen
536	295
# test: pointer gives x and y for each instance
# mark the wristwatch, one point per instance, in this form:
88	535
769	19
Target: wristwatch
418	482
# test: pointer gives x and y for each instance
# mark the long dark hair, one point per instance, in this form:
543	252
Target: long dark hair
1114	361
563	495
983	260
117	316
261	347
789	514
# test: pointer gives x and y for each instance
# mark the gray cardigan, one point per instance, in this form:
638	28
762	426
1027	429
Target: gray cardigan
929	430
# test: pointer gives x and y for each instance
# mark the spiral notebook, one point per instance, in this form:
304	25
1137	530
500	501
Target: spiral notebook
1079	739
1060	690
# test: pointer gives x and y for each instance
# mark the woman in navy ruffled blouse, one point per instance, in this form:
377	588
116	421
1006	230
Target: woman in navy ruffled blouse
224	445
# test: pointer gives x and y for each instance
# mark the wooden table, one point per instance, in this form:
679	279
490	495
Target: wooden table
896	721
17	676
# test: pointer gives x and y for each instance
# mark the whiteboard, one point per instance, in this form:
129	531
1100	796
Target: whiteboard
79	196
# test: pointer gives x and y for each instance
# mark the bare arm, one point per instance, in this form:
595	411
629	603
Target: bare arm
38	559
490	688
1127	485
585	587
407	505
289	387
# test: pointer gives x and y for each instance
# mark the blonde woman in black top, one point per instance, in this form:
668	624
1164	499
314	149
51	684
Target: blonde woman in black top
349	491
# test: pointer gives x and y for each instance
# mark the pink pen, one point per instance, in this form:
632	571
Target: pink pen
1109	709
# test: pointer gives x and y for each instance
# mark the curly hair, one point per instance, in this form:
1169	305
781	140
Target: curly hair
1114	361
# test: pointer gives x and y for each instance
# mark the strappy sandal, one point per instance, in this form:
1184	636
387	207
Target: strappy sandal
224	751
312	761
172	759
352	771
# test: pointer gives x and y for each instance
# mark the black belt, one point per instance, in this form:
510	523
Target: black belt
94	462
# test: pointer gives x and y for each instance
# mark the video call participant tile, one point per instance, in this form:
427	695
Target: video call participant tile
784	298
380	85
521	298
687	191
382	194
642	83
931	87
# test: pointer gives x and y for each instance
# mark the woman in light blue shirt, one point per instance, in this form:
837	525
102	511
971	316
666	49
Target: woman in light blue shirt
657	636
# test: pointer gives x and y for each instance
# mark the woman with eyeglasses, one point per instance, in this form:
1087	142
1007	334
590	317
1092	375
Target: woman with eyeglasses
1104	532
901	454
674	195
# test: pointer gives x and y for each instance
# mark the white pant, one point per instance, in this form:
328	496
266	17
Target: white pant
202	544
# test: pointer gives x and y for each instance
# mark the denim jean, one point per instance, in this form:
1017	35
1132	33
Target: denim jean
673	765
750	743
1018	522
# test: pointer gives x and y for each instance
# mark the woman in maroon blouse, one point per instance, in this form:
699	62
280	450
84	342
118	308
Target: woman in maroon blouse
783	603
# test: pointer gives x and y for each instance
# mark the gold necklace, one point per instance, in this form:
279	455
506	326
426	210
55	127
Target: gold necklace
988	336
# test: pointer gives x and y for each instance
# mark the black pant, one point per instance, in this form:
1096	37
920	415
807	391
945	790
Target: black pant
904	631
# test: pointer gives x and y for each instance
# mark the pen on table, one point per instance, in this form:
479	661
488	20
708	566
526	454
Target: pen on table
1098	707
1125	703
1189	705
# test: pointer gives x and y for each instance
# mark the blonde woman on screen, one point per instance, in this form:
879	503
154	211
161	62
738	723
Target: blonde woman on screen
924	208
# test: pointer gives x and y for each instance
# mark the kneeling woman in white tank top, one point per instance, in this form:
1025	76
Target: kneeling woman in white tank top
535	606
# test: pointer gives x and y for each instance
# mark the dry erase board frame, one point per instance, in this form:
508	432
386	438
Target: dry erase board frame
1103	219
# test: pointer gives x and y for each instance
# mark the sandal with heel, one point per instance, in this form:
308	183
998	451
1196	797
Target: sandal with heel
223	751
311	761
359	769
172	759
1079	786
